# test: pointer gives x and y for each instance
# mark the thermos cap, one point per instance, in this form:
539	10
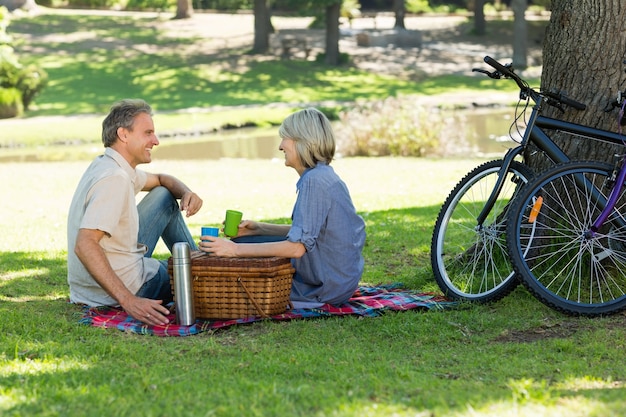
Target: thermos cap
181	250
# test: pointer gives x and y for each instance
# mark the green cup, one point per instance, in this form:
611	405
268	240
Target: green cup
231	223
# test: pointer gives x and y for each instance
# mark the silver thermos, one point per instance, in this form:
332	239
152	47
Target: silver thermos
183	290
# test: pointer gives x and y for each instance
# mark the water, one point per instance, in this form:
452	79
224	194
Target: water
487	130
246	143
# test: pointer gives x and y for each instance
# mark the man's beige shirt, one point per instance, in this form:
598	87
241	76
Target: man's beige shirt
105	199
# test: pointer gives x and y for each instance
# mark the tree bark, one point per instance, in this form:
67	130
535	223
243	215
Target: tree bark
12	5
583	52
262	27
479	17
184	9
520	34
399	11
332	33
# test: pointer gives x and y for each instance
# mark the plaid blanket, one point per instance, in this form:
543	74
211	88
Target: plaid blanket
366	301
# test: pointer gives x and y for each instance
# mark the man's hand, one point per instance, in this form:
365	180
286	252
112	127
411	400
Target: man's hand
146	310
191	203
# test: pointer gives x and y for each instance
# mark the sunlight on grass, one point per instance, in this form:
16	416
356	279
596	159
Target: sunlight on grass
590	383
25	273
11	398
31	298
566	407
40	366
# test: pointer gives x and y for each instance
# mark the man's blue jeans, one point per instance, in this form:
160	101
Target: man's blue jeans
160	217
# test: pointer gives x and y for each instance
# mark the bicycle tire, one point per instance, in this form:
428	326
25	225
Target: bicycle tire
558	262
469	262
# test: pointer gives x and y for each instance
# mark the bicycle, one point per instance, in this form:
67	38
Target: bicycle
469	254
566	234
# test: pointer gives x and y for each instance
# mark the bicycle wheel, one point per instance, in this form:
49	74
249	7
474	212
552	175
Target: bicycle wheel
558	260
470	261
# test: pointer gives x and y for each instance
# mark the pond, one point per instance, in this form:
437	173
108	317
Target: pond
487	130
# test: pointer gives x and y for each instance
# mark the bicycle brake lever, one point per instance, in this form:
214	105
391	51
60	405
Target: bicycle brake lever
618	102
494	74
555	103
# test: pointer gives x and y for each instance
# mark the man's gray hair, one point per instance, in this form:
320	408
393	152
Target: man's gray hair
122	114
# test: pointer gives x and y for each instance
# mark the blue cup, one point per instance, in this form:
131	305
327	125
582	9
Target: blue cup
210	231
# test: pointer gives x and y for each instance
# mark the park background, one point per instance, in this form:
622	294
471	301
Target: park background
514	357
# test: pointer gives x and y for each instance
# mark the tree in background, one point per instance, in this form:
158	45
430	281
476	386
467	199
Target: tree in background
18	4
399	10
583	54
262	26
328	12
479	17
520	34
333	11
184	9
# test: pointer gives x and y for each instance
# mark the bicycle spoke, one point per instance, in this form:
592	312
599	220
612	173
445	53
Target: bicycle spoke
471	261
563	263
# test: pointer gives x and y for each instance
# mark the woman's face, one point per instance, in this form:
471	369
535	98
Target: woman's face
288	146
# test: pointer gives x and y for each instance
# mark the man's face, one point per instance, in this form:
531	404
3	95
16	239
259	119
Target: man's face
139	140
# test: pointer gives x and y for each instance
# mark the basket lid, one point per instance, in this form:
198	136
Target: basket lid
204	259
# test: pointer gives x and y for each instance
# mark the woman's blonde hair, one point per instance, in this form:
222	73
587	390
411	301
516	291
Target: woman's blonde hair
313	135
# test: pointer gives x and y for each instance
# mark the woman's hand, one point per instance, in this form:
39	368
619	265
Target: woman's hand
247	228
218	247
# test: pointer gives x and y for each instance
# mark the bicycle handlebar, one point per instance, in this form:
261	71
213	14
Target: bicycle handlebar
506	71
554	98
561	98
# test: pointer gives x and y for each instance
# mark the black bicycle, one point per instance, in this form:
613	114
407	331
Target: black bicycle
469	254
566	234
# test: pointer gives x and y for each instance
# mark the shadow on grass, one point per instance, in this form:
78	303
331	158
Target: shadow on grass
398	243
32	285
54	363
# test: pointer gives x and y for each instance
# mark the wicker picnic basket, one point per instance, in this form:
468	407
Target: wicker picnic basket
231	288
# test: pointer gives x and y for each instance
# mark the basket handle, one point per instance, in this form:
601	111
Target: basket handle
256	305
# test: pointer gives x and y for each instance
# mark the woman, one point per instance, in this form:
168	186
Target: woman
326	237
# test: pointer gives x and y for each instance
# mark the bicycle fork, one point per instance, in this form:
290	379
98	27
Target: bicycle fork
616	191
509	156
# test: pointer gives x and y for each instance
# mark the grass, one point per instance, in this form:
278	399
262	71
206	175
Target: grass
511	358
515	357
203	91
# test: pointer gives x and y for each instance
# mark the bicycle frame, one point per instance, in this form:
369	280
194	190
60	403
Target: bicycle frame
536	135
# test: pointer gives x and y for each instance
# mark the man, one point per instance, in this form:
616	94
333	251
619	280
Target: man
110	237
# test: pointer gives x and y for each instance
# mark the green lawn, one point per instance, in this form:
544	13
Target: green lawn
515	357
512	358
94	60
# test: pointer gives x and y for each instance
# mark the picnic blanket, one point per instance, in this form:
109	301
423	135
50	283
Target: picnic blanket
366	302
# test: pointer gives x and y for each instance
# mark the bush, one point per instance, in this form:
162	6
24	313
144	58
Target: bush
150	5
92	4
29	80
10	103
417	6
398	126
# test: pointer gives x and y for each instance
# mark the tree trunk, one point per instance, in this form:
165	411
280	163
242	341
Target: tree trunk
262	27
332	33
520	34
479	17
12	5
184	9
399	11
582	55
